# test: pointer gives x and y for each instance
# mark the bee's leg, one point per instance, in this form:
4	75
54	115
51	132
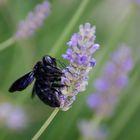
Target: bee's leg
58	85
63	66
61	63
55	78
53	74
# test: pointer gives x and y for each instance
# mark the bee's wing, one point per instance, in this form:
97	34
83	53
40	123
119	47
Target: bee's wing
22	82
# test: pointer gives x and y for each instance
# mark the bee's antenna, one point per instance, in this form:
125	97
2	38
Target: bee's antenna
61	63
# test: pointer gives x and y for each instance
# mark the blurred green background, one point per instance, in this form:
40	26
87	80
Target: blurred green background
116	22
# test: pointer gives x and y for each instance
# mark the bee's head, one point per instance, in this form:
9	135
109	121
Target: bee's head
48	60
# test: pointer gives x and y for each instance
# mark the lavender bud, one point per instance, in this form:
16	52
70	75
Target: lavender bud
33	20
90	132
5	109
79	54
112	81
17	119
12	116
137	2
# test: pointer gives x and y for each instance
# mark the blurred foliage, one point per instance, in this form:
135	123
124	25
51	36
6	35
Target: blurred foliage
116	22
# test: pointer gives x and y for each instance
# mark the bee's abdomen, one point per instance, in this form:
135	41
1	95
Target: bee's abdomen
47	94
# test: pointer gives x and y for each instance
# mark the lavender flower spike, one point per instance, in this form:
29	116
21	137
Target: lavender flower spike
33	20
13	117
90	131
79	54
108	88
137	2
110	84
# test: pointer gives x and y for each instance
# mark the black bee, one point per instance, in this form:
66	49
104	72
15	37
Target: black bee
47	81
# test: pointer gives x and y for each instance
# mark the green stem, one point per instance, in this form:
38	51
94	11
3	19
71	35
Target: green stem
69	27
7	43
45	125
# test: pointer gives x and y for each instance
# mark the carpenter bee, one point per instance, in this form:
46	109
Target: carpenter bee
47	84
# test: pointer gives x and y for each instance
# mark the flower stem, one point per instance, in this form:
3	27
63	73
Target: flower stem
45	125
7	43
69	27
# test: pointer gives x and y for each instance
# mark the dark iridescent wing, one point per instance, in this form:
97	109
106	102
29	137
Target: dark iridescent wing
22	82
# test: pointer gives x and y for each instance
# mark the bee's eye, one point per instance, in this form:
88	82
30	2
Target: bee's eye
46	60
49	60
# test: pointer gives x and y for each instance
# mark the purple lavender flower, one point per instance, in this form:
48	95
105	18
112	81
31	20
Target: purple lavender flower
68	55
137	2
79	54
17	119
101	84
90	132
110	84
33	20
5	109
12	116
94	100
108	88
